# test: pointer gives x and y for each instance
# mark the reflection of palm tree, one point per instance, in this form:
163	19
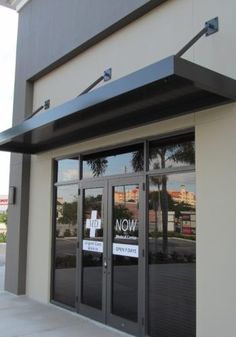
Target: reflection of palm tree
98	166
137	161
182	153
179	153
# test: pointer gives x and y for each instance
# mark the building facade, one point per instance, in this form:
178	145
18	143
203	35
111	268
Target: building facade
124	195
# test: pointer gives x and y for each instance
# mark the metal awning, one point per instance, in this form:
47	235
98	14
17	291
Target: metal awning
166	89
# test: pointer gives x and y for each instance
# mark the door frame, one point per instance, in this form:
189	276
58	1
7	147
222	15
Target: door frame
117	322
81	308
105	315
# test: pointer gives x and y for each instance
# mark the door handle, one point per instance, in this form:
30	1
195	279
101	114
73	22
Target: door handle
105	264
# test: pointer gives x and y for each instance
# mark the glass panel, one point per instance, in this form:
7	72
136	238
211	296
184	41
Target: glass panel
92	247
65	245
172	255
67	169
125	251
119	161
174	152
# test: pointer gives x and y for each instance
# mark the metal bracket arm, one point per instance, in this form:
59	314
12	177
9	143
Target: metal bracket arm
211	27
45	106
105	77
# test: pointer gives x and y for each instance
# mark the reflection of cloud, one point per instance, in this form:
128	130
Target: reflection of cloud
174	182
187	179
70	174
87	174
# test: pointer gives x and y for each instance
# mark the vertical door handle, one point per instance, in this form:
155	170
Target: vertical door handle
105	263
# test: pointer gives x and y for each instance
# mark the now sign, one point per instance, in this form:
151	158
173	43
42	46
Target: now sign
126	225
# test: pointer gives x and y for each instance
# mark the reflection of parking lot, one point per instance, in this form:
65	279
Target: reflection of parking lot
181	246
66	246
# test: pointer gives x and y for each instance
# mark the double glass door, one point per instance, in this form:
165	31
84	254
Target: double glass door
110	252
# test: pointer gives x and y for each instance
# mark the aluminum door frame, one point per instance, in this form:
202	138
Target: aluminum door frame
137	329
83	309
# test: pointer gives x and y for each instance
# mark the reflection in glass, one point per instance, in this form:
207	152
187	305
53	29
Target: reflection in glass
173	152
65	245
68	169
172	255
92	247
125	251
118	161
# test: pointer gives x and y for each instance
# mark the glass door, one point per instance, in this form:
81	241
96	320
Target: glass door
92	255
125	254
110	281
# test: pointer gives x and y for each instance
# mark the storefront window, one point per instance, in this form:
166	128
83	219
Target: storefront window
172	255
112	246
117	161
172	152
67	169
65	245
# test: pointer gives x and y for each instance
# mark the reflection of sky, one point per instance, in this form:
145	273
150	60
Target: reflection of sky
118	164
68	169
93	192
68	193
175	181
168	163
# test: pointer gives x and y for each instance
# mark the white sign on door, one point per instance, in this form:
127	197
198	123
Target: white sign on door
125	250
93	224
93	246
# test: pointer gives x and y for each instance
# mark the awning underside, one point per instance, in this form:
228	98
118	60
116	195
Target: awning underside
163	90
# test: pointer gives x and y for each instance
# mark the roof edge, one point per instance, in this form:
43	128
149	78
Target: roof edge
14	4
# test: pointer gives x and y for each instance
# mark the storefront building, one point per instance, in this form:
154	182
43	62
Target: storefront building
122	195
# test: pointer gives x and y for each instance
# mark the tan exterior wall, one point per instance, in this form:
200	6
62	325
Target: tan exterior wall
158	34
216	230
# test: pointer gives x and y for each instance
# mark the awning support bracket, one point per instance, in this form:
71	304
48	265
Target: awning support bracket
105	77
211	27
45	106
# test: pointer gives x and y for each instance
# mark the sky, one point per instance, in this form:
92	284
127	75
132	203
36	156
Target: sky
8	35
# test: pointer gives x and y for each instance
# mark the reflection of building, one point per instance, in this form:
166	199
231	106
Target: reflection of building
130	195
184	196
185	223
155	221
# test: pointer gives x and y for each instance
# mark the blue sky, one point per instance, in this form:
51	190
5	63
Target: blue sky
8	34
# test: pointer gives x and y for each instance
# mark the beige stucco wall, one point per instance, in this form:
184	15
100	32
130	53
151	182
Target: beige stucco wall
158	34
216	230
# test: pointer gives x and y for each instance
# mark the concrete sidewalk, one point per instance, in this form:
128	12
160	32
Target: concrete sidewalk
21	317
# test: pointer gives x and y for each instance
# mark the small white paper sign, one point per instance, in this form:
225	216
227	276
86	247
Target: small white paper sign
93	224
125	250
93	246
